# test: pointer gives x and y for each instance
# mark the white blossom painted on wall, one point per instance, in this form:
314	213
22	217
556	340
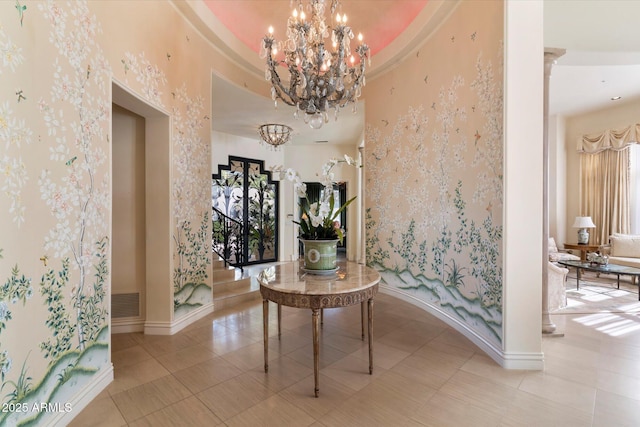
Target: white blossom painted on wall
14	134
191	191
150	76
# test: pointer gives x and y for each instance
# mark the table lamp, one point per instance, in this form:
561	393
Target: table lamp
582	223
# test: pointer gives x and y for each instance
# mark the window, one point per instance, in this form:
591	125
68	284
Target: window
634	202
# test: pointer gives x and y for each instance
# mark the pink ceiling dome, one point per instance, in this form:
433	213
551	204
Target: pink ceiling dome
379	21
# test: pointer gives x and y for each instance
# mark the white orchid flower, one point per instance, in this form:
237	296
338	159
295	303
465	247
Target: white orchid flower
315	220
324	211
291	174
301	190
313	208
327	181
349	160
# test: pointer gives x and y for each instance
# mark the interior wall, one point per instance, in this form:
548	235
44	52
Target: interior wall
128	259
440	162
433	169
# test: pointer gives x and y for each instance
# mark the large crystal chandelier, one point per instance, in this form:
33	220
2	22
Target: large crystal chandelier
319	78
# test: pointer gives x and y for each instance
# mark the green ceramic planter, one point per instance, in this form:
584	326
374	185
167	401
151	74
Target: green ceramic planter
320	254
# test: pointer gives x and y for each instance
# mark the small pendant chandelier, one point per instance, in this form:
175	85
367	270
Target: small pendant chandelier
319	78
274	135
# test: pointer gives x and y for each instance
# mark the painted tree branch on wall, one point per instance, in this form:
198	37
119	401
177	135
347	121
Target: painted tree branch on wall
76	193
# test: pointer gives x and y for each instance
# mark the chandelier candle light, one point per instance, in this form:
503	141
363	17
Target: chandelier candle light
319	79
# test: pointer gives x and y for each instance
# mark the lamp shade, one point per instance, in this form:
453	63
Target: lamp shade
583	222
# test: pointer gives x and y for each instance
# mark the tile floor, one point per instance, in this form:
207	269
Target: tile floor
425	374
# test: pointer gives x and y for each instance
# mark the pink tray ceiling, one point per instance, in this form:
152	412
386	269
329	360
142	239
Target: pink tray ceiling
380	21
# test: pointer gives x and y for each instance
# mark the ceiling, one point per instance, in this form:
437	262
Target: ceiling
602	59
601	38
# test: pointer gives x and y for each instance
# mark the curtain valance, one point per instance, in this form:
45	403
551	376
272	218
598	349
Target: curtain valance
611	139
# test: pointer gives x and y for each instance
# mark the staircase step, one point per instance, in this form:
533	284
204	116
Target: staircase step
231	293
218	264
221	275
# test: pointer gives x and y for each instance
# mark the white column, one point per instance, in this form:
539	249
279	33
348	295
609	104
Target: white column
523	128
550	56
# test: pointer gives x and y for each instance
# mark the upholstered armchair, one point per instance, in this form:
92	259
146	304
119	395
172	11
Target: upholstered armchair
556	255
556	279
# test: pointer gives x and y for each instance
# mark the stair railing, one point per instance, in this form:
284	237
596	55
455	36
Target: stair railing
227	239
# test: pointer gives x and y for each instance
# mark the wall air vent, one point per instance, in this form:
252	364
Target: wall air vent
125	305
324	141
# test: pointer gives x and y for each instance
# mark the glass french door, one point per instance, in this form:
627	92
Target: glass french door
246	199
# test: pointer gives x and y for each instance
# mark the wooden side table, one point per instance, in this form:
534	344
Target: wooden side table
286	284
582	248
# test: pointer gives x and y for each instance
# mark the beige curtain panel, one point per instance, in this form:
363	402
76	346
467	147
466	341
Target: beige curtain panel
605	192
612	139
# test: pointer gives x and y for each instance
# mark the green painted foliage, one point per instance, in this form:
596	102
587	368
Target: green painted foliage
375	253
17	288
193	256
21	387
90	305
52	287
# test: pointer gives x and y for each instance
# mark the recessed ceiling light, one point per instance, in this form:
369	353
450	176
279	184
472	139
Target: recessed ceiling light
615	98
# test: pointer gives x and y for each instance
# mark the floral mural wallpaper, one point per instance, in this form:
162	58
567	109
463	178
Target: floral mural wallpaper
191	194
434	172
55	199
68	163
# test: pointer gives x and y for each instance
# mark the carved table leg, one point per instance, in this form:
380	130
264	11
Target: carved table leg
362	318
265	330
315	313
279	319
370	303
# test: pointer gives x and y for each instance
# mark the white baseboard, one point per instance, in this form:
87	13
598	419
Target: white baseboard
101	380
524	361
124	326
170	328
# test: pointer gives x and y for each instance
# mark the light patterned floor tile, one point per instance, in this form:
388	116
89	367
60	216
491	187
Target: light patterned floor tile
274	411
443	410
479	392
207	374
101	412
228	399
352	372
185	357
189	412
283	372
135	375
615	410
568	393
528	410
486	367
425	373
332	394
140	401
